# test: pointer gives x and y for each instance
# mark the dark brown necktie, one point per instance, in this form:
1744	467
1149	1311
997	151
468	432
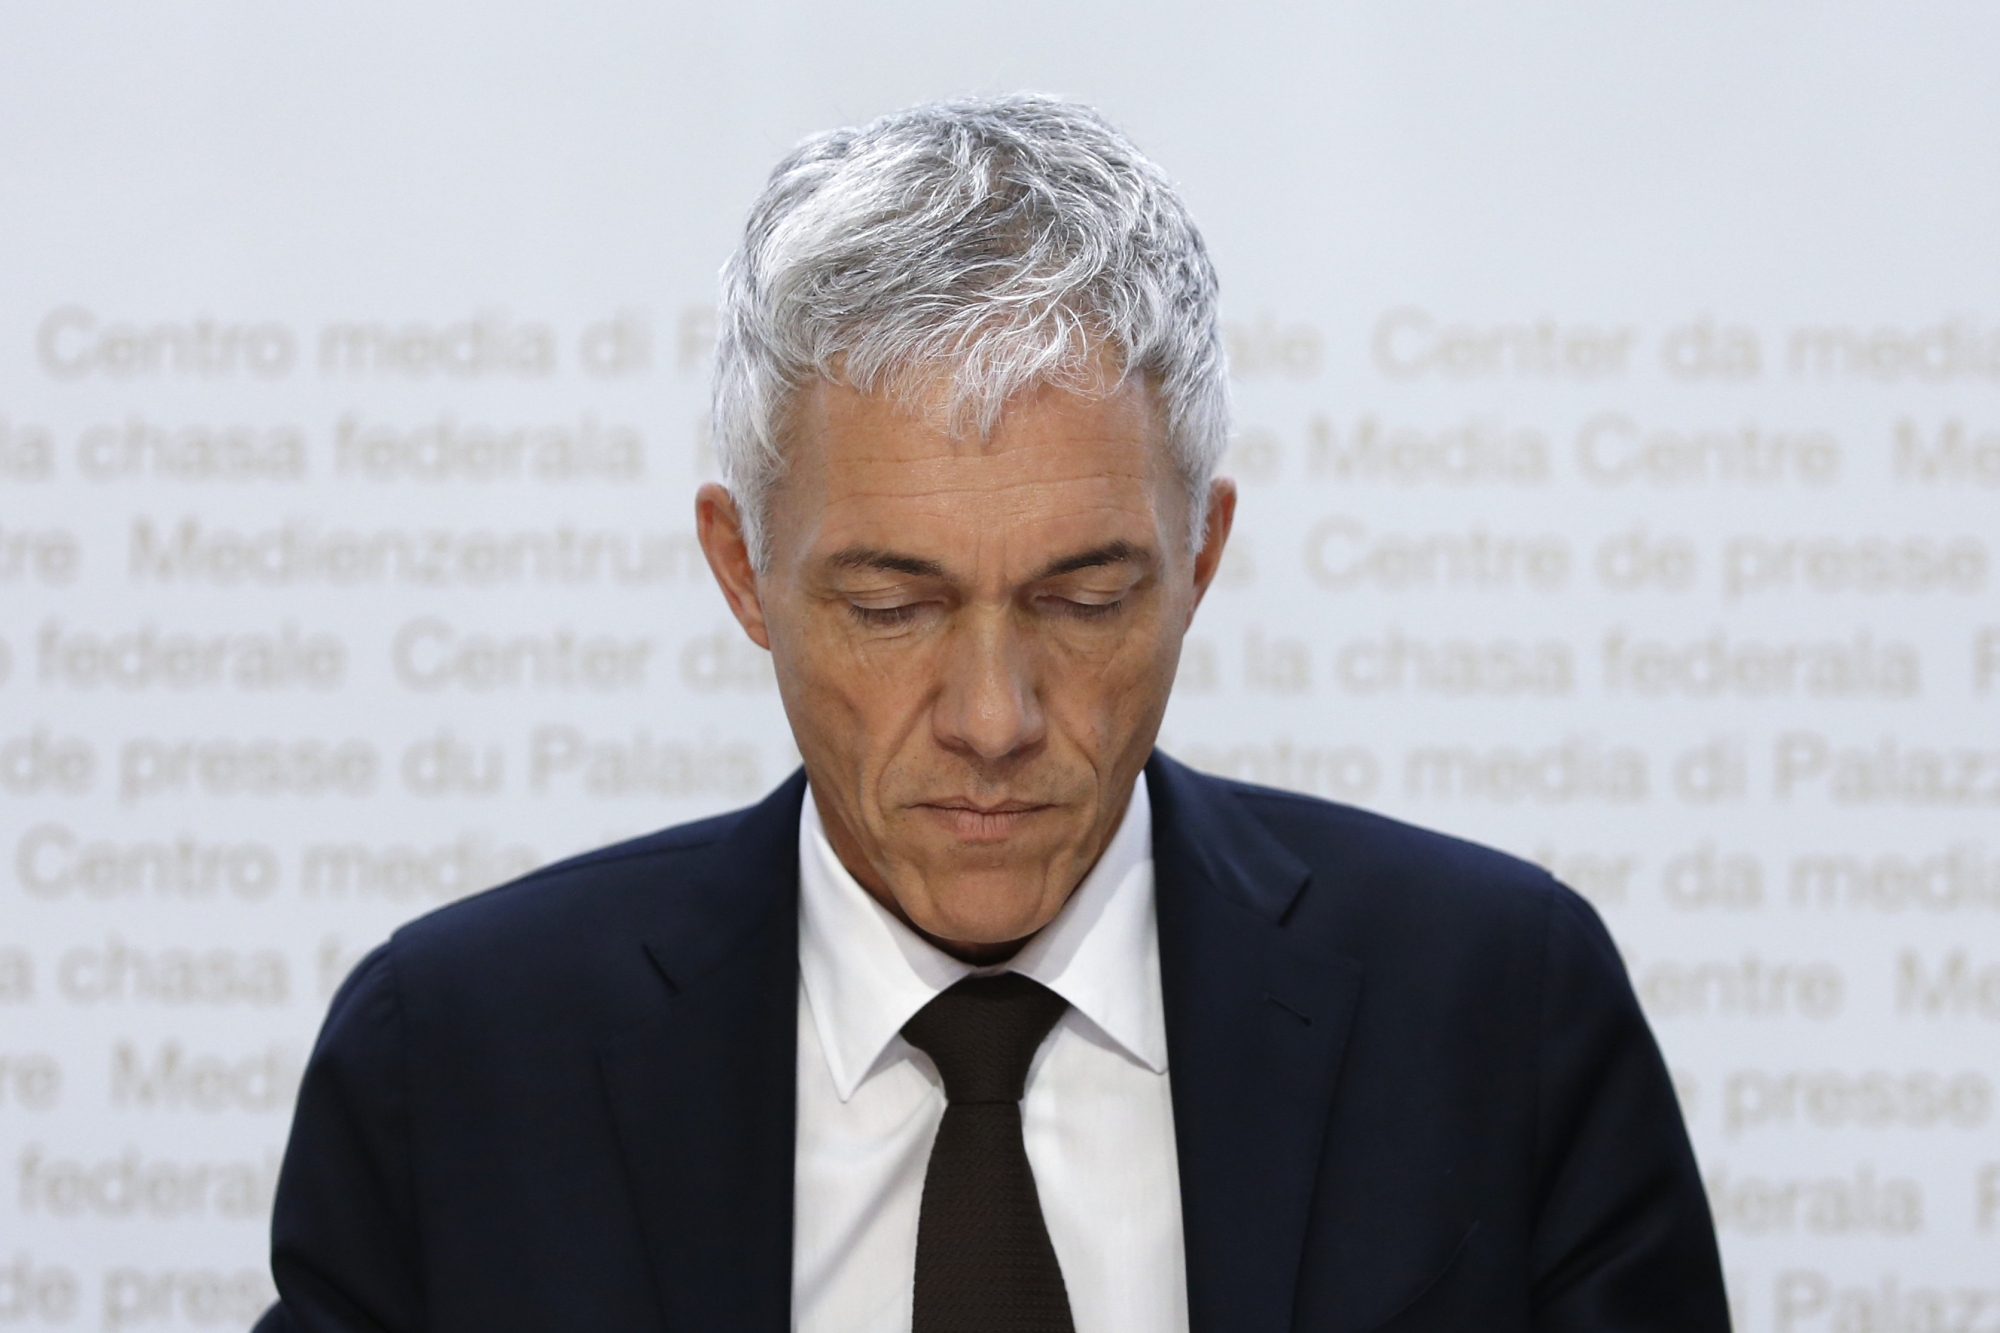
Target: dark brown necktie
984	1262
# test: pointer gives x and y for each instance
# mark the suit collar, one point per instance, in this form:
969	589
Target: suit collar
702	1093
1211	832
751	871
1257	1021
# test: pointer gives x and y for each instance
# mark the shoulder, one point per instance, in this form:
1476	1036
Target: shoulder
1361	841
580	941
577	890
1448	932
1382	887
1420	866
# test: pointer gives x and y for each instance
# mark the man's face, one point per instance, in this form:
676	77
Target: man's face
974	639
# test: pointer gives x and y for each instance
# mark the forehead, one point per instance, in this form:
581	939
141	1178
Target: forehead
1059	468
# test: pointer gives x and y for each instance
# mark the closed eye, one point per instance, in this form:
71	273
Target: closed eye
1075	610
885	617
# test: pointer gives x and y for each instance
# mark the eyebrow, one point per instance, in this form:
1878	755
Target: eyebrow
874	557
894	562
1111	553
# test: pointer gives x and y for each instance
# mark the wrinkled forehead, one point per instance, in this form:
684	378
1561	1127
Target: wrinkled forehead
889	469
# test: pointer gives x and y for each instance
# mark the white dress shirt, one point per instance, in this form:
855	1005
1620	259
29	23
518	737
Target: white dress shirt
1097	1117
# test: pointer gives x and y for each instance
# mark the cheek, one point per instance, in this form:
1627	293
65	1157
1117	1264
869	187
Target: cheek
855	694
1105	687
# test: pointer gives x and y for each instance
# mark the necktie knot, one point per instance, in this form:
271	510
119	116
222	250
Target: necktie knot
982	1034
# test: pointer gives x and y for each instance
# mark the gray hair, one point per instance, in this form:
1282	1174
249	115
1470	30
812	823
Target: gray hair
1009	241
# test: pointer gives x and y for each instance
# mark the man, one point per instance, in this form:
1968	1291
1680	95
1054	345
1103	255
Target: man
992	1018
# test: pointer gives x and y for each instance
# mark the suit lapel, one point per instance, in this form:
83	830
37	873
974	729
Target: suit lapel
703	1094
1256	1024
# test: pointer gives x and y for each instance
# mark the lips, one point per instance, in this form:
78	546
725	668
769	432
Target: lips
971	821
994	808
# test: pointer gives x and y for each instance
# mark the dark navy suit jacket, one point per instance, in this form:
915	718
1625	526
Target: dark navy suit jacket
1412	1090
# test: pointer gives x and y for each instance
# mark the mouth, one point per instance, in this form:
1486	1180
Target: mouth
977	822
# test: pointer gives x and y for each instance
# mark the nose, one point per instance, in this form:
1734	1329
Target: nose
988	707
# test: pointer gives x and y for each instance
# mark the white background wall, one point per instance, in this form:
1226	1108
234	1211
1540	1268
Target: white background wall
1620	446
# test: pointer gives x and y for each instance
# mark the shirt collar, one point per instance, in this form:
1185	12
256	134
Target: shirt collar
866	973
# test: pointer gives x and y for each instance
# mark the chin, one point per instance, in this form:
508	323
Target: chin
995	914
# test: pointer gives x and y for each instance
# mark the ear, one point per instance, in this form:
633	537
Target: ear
1214	536
719	527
